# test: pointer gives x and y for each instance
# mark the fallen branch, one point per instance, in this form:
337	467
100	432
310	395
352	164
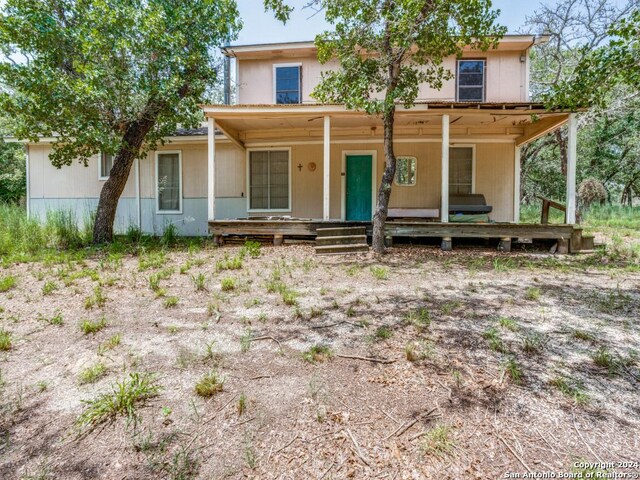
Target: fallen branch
266	337
367	359
295	437
513	452
404	427
357	450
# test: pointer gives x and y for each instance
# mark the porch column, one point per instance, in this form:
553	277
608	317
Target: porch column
572	153
516	185
444	201
211	169
326	169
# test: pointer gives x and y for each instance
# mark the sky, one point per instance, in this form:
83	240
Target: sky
260	27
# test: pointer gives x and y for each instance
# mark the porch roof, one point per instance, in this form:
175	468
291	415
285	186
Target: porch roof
521	122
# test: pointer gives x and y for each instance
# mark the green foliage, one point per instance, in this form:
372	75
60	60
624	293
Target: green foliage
252	248
93	373
438	441
123	400
7	283
228	284
317	353
5	340
13	183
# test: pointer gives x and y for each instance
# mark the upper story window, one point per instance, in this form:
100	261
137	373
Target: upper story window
288	83
406	171
105	164
471	80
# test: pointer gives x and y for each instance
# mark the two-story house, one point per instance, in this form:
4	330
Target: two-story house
278	163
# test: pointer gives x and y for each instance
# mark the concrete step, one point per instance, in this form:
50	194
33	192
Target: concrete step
341	232
342	240
341	249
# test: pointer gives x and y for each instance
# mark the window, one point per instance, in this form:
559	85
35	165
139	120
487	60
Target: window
169	182
460	170
471	80
406	171
269	180
288	84
105	164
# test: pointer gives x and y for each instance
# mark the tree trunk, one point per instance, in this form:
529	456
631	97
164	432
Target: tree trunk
112	189
384	192
564	156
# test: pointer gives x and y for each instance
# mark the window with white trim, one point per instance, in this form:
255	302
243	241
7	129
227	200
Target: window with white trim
406	168
288	84
106	162
460	170
471	80
169	182
269	180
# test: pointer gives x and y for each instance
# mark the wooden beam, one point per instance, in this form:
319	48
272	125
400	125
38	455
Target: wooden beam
444	200
572	153
536	130
326	169
211	170
231	134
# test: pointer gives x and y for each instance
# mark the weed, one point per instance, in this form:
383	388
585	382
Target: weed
93	373
228	284
245	341
49	287
241	406
420	318
416	351
604	358
571	389
151	260
533	343
353	270
110	344
510	367
170	302
383	332
583	335
251	248
502	264
199	282
233	263
351	312
5	340
87	326
317	353
169	235
97	299
508	323
533	294
7	283
209	385
438	441
56	320
289	297
315	312
449	307
495	342
124	399
380	273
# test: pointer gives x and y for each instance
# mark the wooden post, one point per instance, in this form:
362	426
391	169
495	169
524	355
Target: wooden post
211	170
326	169
505	245
516	185
572	153
444	191
278	240
447	244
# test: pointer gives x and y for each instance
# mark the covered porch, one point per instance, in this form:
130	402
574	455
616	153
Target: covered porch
319	141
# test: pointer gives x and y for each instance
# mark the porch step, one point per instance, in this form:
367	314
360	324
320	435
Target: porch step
341	249
341	232
341	240
588	242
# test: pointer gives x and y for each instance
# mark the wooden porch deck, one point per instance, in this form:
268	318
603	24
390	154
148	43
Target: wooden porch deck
569	237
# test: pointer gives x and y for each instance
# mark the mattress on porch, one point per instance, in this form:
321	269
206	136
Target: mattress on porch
469	218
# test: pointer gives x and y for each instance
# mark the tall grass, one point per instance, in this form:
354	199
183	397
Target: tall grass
597	216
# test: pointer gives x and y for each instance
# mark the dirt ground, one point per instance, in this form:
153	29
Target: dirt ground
466	364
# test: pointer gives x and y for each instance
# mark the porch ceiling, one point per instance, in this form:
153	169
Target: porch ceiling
522	122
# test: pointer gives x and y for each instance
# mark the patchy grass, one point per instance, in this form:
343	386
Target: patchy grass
380	273
5	340
92	327
209	385
92	373
438	441
124	399
228	284
171	301
571	388
317	353
532	294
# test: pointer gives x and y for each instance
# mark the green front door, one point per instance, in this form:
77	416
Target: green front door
358	188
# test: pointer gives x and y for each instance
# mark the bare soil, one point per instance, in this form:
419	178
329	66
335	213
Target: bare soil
472	320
